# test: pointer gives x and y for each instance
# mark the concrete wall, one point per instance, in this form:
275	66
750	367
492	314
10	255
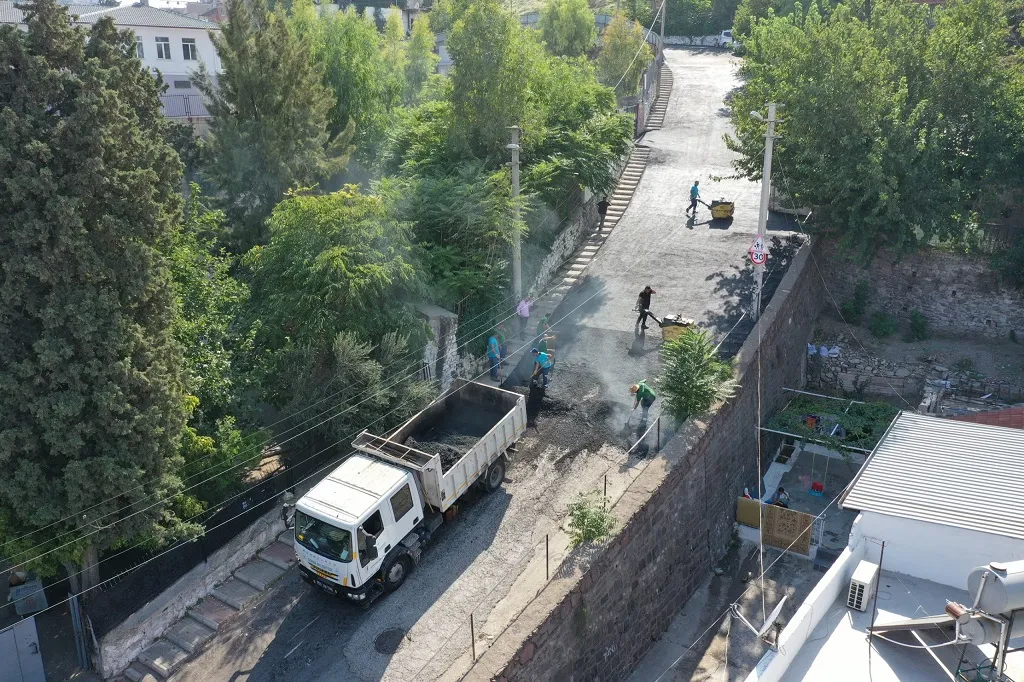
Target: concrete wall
835	582
676	519
579	225
942	554
119	647
959	294
441	352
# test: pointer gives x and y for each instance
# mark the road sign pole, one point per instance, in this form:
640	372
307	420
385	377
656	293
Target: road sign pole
762	216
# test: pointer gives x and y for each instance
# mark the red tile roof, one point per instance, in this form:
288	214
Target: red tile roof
1012	417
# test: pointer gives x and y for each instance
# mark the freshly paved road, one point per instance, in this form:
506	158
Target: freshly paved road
697	270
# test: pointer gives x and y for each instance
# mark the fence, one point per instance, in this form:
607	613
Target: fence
119	597
640	104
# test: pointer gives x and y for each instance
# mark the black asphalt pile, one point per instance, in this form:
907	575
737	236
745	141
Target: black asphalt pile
450	445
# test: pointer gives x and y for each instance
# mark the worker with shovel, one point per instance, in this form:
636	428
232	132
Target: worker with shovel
541	366
644	397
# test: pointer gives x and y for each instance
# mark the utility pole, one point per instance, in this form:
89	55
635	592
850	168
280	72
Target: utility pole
664	7
517	254
766	186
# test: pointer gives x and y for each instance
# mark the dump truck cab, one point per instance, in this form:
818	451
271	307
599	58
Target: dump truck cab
352	530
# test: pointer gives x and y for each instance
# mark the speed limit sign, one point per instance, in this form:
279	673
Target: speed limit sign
758	254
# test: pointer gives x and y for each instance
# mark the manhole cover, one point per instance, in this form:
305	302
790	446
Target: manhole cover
388	641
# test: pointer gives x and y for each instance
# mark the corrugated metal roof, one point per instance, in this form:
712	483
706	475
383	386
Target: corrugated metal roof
947	472
126	16
1010	417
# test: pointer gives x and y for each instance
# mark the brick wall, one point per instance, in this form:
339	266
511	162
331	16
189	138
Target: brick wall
678	520
959	294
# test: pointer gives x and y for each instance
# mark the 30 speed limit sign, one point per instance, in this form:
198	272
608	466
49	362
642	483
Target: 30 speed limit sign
758	254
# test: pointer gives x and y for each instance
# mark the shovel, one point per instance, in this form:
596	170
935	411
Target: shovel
630	416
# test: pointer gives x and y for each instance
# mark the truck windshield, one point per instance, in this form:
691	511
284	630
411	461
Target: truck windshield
323	538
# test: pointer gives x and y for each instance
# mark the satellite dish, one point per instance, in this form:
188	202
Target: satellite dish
769	622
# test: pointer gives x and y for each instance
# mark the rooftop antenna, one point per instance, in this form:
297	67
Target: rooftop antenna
769	622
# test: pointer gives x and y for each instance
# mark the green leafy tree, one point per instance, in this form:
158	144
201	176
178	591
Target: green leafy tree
394	50
694	378
691	18
567	27
445	13
334	264
624	55
929	139
422	61
492	76
269	130
92	402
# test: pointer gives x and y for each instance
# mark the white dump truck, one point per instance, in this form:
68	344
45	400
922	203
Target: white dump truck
361	530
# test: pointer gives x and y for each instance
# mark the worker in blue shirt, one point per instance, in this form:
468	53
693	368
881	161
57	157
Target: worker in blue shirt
541	366
494	355
694	197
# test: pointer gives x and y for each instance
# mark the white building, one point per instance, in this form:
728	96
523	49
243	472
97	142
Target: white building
170	44
937	499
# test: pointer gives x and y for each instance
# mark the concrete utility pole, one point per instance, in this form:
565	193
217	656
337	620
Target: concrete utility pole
664	7
517	254
766	187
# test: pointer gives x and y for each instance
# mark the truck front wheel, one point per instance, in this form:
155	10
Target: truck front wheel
495	475
396	571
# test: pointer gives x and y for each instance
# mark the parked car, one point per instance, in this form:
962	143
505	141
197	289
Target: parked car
724	39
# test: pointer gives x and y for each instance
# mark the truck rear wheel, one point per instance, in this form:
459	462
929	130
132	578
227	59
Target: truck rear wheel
396	571
495	475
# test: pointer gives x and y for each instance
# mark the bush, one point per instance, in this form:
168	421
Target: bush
589	519
883	324
853	310
918	330
964	366
695	377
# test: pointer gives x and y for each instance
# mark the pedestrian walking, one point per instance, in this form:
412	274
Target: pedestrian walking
694	197
494	355
602	210
644	397
502	341
643	304
541	366
524	315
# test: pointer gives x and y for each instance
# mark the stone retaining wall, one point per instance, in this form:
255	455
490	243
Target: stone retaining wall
958	293
676	519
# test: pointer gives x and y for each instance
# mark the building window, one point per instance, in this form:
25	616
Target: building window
163	48
182	85
138	49
188	49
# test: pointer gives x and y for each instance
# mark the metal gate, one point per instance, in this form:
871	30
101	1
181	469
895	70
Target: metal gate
19	651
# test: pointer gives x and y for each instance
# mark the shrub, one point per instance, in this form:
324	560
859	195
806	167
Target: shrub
589	519
964	365
883	324
695	376
854	309
918	330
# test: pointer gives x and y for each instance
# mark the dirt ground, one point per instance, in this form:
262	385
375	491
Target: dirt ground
990	359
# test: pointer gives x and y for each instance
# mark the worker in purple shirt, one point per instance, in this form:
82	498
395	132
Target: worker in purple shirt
524	315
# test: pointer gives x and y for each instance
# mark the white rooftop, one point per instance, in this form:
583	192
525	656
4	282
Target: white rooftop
837	649
946	472
353	489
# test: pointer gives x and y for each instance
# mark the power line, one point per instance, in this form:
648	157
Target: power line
640	49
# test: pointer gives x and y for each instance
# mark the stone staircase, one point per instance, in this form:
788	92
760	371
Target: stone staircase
566	277
188	636
656	119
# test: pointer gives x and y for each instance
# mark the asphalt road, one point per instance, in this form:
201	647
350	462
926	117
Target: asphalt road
697	269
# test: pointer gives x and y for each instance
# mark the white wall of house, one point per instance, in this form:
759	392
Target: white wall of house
177	65
943	554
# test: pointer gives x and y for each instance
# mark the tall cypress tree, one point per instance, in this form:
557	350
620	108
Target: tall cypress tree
270	111
91	399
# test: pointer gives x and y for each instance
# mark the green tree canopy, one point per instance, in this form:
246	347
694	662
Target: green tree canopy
694	377
624	55
92	402
567	27
898	133
269	130
334	263
422	61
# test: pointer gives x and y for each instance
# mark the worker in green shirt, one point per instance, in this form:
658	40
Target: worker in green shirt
645	396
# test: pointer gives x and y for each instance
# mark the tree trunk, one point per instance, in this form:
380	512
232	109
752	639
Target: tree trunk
73	578
90	567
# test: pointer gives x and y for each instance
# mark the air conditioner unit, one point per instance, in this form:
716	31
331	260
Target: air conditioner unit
862	585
